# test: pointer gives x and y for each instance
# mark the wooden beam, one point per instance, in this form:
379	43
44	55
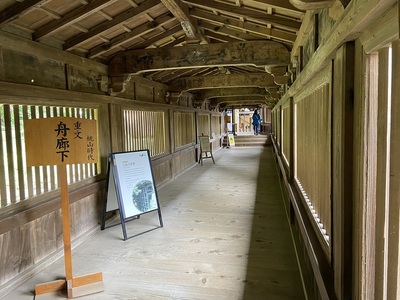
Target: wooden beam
356	19
286	5
240	99
222	81
181	13
242	102
219	37
239	36
217	93
312	4
244	26
71	17
14	11
241	12
258	53
167	34
117	20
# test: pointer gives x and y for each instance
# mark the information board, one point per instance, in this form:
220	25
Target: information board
131	188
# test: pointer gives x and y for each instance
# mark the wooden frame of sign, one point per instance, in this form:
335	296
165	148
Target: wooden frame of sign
61	141
130	189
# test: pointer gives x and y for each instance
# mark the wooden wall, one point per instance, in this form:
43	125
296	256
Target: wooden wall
346	134
30	231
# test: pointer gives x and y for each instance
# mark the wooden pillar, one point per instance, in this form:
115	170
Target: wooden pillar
381	179
394	183
116	120
342	177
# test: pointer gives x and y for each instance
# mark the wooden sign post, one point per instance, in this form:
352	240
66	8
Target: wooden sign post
61	141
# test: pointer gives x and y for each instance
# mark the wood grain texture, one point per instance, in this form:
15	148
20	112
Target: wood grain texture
224	237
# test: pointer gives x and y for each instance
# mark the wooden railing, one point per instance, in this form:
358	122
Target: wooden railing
312	155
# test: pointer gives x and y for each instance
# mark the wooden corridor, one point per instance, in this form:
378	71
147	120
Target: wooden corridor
225	236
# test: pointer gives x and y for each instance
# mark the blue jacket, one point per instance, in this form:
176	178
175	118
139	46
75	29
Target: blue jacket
256	119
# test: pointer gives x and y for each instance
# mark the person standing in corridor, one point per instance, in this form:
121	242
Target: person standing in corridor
256	121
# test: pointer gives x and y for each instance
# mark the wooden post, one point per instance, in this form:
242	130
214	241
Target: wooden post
382	179
61	141
394	183
342	170
66	225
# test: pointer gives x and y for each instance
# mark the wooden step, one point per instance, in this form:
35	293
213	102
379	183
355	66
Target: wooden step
260	140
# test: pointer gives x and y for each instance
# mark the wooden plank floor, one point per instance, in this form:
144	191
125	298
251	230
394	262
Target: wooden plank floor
225	236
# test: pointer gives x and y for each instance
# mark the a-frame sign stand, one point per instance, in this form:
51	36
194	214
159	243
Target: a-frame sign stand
64	141
123	177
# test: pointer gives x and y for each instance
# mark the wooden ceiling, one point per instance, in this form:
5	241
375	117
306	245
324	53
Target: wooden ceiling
106	29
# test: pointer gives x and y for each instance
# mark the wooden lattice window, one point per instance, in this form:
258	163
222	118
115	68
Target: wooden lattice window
144	130
184	128
19	182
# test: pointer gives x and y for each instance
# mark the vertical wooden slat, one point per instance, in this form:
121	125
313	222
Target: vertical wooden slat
135	129
291	140
147	129
19	147
125	131
342	171
80	167
26	110
394	183
327	159
131	128
128	137
3	149
10	158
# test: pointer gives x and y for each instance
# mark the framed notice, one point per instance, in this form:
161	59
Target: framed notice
131	188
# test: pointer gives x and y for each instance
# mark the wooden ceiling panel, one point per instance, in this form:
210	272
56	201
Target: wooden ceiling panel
117	7
102	29
32	19
61	6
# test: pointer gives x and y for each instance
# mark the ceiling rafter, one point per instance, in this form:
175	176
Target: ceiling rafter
129	36
230	22
235	34
312	4
117	20
219	37
156	38
17	9
259	16
280	4
71	17
181	13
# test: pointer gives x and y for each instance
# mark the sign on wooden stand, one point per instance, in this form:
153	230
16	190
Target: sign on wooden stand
61	141
131	189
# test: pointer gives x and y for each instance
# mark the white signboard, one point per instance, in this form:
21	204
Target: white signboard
131	187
